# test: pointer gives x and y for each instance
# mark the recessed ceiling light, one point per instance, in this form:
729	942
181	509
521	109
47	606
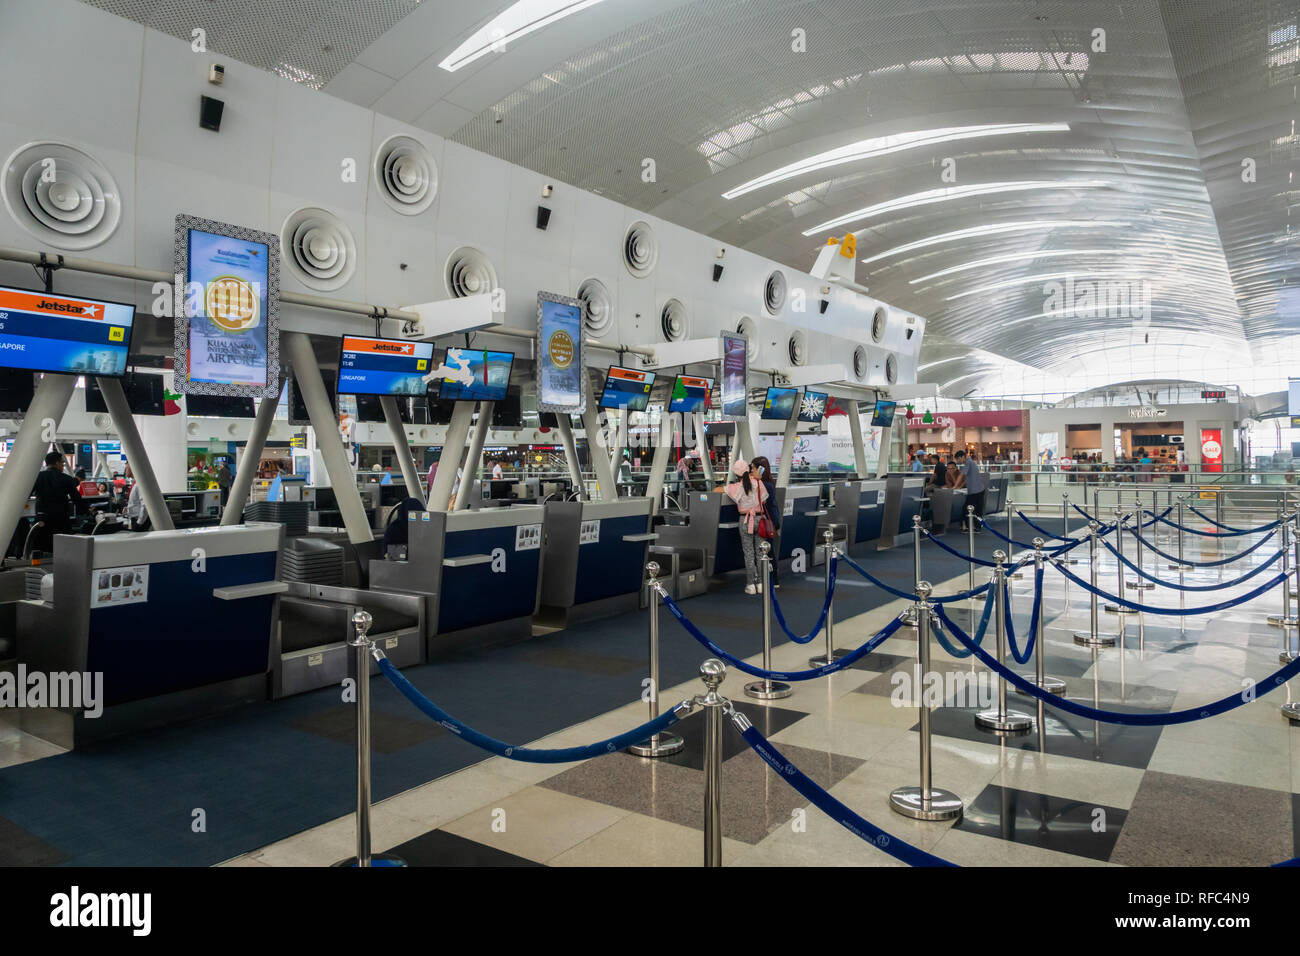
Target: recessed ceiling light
882	145
513	23
993	229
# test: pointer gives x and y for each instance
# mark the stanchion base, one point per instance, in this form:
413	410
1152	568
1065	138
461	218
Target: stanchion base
1286	657
944	805
1139	585
909	616
1291	710
1116	609
768	690
1277	620
1053	685
376	859
1101	640
1012	722
821	661
1177	567
660	745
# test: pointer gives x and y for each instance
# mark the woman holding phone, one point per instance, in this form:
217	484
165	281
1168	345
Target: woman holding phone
761	470
749	496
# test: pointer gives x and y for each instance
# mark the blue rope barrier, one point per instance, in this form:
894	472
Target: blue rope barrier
951	550
1190	587
961	653
1173	611
1043	531
962	596
1108	528
1219	534
1028	546
821	620
823	801
1196	511
848	660
1208	564
1223	705
501	749
1033	620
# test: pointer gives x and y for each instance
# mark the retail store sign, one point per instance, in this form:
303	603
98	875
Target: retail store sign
1147	412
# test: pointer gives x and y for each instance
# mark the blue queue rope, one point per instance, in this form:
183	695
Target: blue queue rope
821	620
962	596
1028	546
1190	587
1108	528
1041	530
848	660
823	801
951	550
1219	534
1033	619
1223	705
1196	511
1208	564
528	755
1173	611
962	653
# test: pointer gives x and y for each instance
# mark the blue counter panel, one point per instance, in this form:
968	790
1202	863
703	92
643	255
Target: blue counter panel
799	530
909	507
728	557
476	594
611	566
870	521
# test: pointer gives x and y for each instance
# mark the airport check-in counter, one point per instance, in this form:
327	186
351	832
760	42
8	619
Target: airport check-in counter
860	507
595	558
947	508
995	495
904	500
801	515
698	542
478	571
179	623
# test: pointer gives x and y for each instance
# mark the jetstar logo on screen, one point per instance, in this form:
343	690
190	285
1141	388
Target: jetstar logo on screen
88	311
394	347
232	304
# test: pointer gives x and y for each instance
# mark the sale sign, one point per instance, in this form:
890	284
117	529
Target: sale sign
1212	449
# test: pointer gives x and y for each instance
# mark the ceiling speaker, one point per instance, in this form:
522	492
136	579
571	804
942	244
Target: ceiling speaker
469	272
797	348
597	307
406	175
878	320
774	293
748	327
860	363
210	110
61	195
543	217
891	368
823	306
640	249
717	271
318	248
674	323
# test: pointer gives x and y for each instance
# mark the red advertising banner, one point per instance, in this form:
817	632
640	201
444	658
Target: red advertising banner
1212	449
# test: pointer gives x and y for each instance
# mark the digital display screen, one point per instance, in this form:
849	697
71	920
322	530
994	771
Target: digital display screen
219	406
69	335
230	343
298	407
17	389
735	375
883	416
560	370
690	394
812	407
472	375
627	388
144	393
383	366
780	403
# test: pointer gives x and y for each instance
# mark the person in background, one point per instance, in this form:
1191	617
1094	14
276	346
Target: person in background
55	491
749	496
496	470
761	470
428	481
975	485
225	478
953	478
624	477
939	472
917	464
136	513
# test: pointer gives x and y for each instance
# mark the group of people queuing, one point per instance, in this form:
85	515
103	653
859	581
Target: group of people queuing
958	470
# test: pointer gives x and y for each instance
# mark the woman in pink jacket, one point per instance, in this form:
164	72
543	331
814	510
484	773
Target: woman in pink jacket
749	495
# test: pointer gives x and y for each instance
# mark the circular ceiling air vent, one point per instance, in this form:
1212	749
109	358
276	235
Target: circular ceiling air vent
597	307
61	195
406	175
469	272
878	324
318	248
674	323
640	249
797	348
748	327
774	293
860	363
891	368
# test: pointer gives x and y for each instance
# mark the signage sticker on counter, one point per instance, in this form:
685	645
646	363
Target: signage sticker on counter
788	509
528	537
113	587
589	532
880	496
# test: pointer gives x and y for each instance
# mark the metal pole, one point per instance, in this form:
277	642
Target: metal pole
1001	720
474	457
1053	685
706	463
136	456
1093	638
767	689
713	672
1286	619
970	539
47	408
1139	583
570	453
243	483
831	655
1218	517
1119	609
598	455
660	745
909	616
924	802
659	461
402	448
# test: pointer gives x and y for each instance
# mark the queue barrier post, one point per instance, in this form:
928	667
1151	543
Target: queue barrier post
1286	620
713	672
1094	637
768	689
1001	720
832	654
660	745
1053	685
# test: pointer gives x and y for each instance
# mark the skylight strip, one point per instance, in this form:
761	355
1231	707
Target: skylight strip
513	23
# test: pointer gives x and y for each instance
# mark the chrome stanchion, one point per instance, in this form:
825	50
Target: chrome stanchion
1011	548
924	802
832	653
713	672
970	544
1179	542
1053	685
1001	720
1286	619
1093	638
1119	609
1218	517
362	648
1139	583
767	689
660	745
909	615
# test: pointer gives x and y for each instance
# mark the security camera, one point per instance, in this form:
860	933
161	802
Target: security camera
216	74
547	190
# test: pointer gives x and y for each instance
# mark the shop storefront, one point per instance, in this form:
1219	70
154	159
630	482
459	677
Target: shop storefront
995	436
1199	435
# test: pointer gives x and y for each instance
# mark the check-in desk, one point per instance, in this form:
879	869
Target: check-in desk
479	572
947	508
595	558
179	623
904	494
801	514
701	540
860	506
995	495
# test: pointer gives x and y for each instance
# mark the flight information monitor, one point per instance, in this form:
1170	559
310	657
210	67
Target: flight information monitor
627	388
735	375
812	407
780	403
472	375
71	335
883	416
383	366
690	394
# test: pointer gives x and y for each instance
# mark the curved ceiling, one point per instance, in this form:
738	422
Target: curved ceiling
1143	231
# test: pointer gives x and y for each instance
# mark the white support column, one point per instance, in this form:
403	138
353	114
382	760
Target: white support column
620	441
474	457
855	430
307	374
27	458
457	432
706	463
136	456
245	473
565	429
414	487
597	452
745	431
787	452
655	487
